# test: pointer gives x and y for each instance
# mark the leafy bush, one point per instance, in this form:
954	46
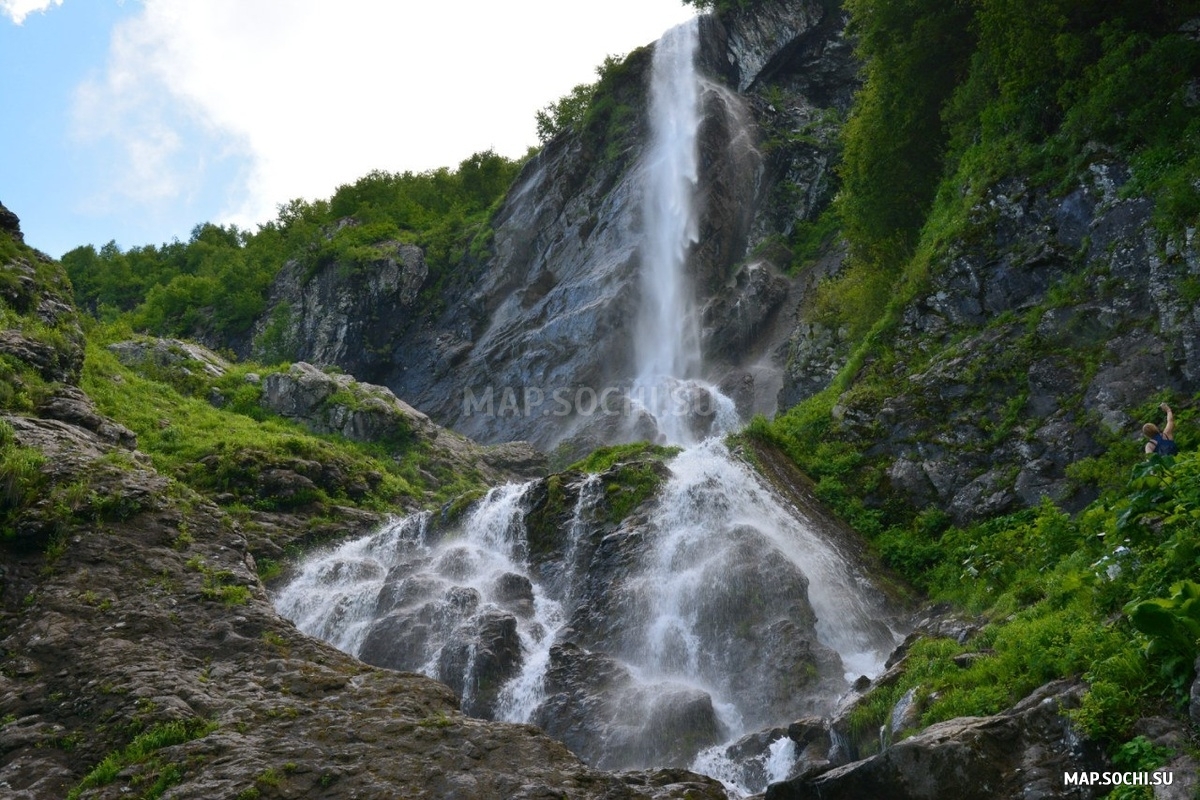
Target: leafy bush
1172	625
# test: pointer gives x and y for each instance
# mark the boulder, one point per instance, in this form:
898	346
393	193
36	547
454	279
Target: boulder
1022	752
337	403
588	700
174	357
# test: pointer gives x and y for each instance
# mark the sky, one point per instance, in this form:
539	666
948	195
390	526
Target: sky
136	120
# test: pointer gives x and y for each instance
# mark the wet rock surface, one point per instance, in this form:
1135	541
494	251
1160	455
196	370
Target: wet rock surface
99	646
343	317
1021	752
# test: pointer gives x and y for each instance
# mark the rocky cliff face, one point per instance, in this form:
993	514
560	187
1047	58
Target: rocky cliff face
553	304
141	652
1038	334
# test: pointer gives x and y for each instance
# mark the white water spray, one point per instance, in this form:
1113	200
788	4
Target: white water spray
668	335
668	382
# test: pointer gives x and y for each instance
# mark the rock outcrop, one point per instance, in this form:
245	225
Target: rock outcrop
335	316
1022	752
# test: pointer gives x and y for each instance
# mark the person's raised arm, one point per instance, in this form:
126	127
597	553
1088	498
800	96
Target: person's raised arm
1169	428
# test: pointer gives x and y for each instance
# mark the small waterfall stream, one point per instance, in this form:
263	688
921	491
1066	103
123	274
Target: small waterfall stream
718	611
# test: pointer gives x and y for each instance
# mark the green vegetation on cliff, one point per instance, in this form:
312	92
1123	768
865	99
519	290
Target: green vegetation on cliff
957	97
602	113
215	284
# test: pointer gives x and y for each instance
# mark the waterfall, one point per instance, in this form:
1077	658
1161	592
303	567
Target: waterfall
521	697
457	605
668	382
668	342
715	612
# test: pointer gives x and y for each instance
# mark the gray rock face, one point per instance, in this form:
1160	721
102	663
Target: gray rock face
1022	752
339	316
552	306
988	418
762	39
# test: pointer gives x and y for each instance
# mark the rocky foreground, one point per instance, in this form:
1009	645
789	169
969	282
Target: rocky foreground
141	654
149	620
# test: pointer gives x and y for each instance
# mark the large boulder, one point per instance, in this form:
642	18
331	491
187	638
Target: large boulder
1022	752
595	706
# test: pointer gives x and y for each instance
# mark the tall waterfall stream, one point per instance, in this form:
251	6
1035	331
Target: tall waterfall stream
720	611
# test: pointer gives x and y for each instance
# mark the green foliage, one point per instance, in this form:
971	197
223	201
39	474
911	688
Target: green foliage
242	455
810	240
628	485
219	584
216	283
605	458
1172	625
721	6
143	750
915	52
1139	754
632	475
566	113
22	479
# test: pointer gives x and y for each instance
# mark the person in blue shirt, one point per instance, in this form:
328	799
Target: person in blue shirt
1161	442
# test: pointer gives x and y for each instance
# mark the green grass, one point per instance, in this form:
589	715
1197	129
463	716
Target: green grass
230	450
142	750
605	458
1058	590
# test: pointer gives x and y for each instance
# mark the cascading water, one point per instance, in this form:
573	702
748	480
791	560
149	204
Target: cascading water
668	344
667	348
658	640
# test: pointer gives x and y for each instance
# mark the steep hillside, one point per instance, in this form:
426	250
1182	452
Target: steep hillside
141	653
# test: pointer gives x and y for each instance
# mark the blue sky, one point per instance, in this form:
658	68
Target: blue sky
135	120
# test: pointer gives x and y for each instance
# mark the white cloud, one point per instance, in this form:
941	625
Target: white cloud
317	93
18	10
